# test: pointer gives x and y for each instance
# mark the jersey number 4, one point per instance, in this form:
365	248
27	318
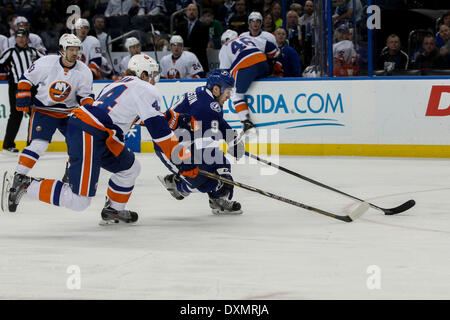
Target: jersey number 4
107	101
238	45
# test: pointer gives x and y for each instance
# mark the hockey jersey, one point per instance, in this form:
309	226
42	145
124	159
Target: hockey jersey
3	46
345	59
123	65
242	52
91	55
33	41
185	66
59	87
261	42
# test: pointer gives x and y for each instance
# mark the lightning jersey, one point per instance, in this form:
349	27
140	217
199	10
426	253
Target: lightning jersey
91	55
242	52
185	66
33	41
59	86
261	42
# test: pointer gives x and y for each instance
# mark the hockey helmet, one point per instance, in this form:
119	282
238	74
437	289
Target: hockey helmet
176	39
69	40
80	23
142	62
221	78
228	35
255	15
132	41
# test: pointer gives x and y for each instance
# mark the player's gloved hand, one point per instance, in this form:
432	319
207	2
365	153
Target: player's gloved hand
278	69
184	161
23	100
181	120
188	170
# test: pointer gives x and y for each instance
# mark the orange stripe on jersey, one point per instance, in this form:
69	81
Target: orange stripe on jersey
53	114
24	85
118	197
87	164
168	145
115	146
45	190
87	100
27	162
248	61
30	125
95	70
241	107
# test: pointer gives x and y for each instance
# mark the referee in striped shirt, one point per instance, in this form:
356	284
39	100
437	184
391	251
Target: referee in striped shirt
17	60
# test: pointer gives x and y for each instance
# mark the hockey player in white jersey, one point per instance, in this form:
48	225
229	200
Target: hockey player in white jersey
133	47
95	140
256	33
91	50
180	64
64	82
34	40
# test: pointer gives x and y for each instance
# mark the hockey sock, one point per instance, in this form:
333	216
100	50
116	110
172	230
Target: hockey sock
118	195
30	155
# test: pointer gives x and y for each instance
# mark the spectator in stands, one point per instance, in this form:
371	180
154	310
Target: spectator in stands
151	7
180	64
345	58
238	22
445	20
214	26
392	57
133	47
444	36
297	7
101	35
308	14
290	59
444	50
345	13
430	57
34	40
195	34
276	14
268	23
25	8
184	4
226	10
49	24
118	7
267	7
294	33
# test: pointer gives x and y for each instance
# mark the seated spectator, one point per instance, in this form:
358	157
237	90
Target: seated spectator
45	17
444	50
345	58
445	20
392	57
308	14
215	27
267	7
294	34
430	57
226	10
34	40
297	7
180	64
276	14
133	47
151	7
238	21
444	36
25	8
181	4
290	59
268	23
100	34
117	8
345	13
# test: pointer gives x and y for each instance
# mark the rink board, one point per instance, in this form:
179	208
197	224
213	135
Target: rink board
387	116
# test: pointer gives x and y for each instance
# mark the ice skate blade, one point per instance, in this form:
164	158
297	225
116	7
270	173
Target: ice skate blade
6	185
218	212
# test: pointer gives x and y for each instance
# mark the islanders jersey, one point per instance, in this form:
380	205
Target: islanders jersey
33	41
241	52
185	66
91	55
59	86
261	40
123	66
209	114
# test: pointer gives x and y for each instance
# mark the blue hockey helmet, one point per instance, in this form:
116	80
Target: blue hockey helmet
221	78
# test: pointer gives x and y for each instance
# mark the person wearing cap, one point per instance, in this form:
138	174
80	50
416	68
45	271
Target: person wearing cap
17	59
345	57
180	64
34	40
91	51
133	47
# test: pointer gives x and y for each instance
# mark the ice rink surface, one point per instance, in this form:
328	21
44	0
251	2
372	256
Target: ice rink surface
179	250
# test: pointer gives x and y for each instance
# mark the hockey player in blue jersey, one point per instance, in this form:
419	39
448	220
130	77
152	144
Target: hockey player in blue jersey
200	112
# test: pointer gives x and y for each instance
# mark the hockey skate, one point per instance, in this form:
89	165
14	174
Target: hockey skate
112	216
14	187
223	206
170	183
247	125
65	178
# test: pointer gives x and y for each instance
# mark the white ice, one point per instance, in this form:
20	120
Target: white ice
179	250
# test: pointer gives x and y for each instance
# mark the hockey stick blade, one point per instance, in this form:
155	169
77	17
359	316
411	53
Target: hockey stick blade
5	187
358	212
388	211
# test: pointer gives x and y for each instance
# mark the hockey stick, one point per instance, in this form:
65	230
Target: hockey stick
352	216
68	111
390	211
154	43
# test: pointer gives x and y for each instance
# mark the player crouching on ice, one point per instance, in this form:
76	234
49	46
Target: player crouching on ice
95	140
205	106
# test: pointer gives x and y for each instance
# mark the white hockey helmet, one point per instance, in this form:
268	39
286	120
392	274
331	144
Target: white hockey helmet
176	39
228	35
255	15
142	62
20	20
69	40
80	23
132	41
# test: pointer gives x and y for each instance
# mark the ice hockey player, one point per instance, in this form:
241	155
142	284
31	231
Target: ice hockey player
95	140
133	47
255	22
64	82
180	64
247	60
205	106
91	50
